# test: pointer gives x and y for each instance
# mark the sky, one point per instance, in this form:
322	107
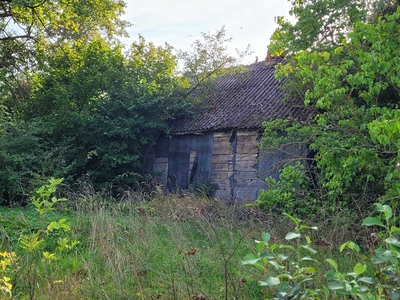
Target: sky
180	22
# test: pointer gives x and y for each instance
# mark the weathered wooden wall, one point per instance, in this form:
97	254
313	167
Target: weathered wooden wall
230	163
183	160
221	165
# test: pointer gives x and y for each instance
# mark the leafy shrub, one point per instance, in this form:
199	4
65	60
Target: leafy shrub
291	193
37	245
290	269
27	160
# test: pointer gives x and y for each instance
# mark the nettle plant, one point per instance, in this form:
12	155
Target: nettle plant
290	269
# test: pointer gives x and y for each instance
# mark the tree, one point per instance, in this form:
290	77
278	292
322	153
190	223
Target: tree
208	60
108	105
321	24
30	27
354	89
94	111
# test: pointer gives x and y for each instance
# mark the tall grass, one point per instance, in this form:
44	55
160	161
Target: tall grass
152	246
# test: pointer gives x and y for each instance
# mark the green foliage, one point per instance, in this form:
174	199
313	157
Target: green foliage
34	33
7	262
92	111
290	193
34	242
26	159
208	60
287	268
351	84
294	268
319	24
30	28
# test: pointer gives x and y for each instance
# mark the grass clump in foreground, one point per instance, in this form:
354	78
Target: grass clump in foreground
158	247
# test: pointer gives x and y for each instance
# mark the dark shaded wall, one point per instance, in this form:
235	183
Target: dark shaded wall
189	160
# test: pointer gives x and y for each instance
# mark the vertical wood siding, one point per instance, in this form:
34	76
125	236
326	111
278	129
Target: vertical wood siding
230	163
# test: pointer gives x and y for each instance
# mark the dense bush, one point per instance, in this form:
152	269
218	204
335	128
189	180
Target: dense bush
351	85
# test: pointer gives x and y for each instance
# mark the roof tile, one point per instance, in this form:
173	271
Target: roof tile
242	101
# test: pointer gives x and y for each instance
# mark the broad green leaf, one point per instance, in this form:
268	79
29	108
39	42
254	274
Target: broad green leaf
386	209
276	265
394	244
394	229
282	257
394	294
287	247
308	227
288	276
351	245
61	224
368	280
335	286
292	235
382	255
270	281
295	290
265	236
359	268
307	247
331	275
389	274
332	263
250	259
393	241
370	221
266	255
307	258
295	220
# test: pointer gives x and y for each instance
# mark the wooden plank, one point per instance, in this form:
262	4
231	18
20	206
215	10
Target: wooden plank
224	182
219	185
241	176
246	157
221	159
249	183
247	166
221	139
220	175
221	167
222	134
247	149
248	141
248	133
222	148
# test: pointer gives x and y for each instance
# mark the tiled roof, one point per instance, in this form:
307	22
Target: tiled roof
242	101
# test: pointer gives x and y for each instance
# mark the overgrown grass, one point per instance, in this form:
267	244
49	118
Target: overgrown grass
152	247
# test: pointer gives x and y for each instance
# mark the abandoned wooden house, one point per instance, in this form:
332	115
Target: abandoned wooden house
218	147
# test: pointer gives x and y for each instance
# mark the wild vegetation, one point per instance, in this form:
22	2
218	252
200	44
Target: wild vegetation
156	246
75	104
347	73
79	105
